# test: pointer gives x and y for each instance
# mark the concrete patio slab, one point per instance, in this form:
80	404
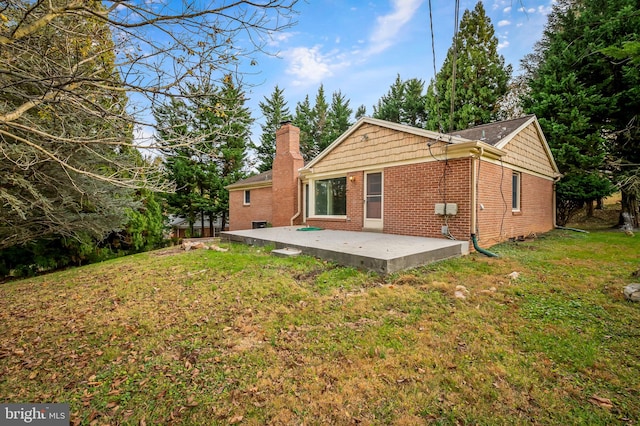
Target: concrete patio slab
383	253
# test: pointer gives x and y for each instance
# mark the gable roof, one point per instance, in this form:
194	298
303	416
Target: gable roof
256	181
494	136
500	133
495	133
386	124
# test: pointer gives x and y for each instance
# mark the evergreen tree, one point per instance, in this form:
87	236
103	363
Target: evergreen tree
275	111
177	121
65	69
361	112
481	77
221	122
413	110
390	105
304	121
55	179
404	103
339	119
321	124
235	127
588	102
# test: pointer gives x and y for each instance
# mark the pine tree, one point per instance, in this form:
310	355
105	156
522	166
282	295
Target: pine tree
304	121
232	151
176	121
361	111
321	124
339	119
390	105
66	68
62	156
586	101
275	111
413	111
481	77
219	119
404	103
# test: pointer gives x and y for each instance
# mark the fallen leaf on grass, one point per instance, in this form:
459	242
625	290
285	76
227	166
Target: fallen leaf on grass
601	402
236	419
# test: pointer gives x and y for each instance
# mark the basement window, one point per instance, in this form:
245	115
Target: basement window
515	192
247	197
330	197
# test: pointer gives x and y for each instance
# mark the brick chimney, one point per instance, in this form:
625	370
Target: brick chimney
286	164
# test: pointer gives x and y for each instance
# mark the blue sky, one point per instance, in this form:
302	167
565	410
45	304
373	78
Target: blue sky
359	47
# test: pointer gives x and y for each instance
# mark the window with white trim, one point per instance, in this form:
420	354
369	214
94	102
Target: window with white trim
330	197
515	192
247	197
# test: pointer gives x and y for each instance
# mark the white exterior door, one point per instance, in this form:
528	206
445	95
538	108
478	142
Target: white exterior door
373	201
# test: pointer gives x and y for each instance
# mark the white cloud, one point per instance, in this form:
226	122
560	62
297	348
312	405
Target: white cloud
503	44
504	23
531	10
388	26
501	3
507	9
308	65
545	10
275	39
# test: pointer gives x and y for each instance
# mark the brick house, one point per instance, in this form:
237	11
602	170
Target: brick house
495	181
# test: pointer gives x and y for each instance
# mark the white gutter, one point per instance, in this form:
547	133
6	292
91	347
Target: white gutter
295	216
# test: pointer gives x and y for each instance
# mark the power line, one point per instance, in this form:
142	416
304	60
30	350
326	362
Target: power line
453	71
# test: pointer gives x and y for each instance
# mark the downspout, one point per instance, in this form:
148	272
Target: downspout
295	216
555	201
474	211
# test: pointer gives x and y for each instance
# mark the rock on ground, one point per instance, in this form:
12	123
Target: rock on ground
632	292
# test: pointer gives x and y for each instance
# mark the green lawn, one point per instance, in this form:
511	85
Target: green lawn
240	337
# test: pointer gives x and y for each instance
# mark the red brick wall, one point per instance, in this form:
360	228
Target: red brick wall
410	195
411	192
285	175
497	222
260	208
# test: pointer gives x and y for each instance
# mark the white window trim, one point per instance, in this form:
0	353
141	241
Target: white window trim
244	197
518	192
312	198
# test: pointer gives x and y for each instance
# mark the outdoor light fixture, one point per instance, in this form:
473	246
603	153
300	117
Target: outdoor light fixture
352	178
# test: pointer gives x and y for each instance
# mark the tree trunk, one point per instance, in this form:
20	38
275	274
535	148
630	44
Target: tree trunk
629	206
590	208
201	214
599	203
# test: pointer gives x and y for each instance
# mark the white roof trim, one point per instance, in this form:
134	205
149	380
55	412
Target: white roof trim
504	141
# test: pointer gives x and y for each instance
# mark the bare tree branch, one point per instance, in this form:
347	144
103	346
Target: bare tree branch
78	76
